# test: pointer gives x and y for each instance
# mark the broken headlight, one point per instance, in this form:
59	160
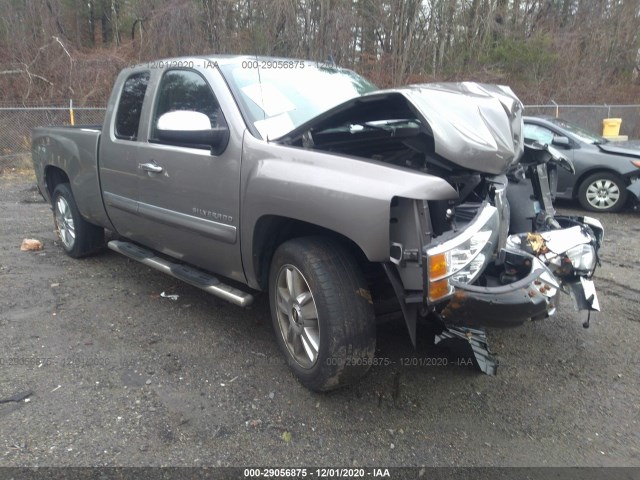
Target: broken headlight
464	257
583	258
572	247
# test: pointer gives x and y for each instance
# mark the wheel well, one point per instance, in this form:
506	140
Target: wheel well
271	231
588	173
54	176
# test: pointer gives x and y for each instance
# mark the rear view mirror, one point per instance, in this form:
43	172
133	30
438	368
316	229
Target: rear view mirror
560	141
191	129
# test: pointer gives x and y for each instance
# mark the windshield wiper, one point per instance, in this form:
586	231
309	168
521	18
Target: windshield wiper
380	125
365	125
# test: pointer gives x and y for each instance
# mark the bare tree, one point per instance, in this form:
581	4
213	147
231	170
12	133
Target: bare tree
568	49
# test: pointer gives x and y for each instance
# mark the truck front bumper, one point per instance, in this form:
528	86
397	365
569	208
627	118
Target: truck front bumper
523	282
533	297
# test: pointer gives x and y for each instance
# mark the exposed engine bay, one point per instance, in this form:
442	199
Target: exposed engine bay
496	256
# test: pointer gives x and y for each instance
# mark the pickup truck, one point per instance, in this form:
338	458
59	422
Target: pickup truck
345	203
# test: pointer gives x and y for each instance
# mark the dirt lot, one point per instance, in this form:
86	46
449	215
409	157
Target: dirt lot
120	376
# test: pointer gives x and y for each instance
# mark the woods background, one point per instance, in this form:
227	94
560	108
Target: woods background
569	51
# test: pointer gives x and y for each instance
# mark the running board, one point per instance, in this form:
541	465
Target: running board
190	275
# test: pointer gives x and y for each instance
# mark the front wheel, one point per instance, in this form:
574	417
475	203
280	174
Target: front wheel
602	192
322	312
79	237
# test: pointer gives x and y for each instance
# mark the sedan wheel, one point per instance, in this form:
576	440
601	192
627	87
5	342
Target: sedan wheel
602	192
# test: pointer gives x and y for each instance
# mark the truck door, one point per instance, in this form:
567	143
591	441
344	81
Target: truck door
189	201
118	152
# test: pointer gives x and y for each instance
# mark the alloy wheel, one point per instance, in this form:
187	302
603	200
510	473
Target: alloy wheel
297	316
64	222
603	194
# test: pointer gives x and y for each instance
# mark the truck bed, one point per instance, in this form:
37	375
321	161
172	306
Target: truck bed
73	150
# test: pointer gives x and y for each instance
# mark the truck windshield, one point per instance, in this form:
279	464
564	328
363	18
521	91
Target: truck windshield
278	96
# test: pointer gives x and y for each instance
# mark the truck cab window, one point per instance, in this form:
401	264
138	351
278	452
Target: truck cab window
130	106
187	90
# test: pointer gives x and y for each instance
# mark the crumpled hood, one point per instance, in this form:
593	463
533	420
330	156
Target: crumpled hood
620	149
477	126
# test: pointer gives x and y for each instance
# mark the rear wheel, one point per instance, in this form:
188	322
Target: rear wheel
79	237
322	312
602	192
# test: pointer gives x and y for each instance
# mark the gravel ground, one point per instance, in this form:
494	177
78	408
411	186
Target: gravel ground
117	375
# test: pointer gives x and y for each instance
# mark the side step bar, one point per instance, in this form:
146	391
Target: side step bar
190	275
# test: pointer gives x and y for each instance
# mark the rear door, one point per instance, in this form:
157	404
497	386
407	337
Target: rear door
189	202
117	157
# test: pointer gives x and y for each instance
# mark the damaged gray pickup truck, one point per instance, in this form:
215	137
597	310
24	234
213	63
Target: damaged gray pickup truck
344	203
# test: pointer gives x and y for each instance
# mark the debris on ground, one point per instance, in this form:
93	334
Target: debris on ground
170	297
18	397
30	244
255	423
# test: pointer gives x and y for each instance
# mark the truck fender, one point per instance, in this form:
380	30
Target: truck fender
349	196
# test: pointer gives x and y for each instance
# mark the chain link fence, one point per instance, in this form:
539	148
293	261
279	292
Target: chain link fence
17	122
591	116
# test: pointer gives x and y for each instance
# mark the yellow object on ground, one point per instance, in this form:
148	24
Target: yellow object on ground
611	127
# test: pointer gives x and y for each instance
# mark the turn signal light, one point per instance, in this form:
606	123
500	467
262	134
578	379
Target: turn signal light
437	266
439	289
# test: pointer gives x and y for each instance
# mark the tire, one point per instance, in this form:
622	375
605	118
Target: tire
326	329
79	238
603	192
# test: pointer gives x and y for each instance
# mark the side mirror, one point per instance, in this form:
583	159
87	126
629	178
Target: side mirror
191	129
559	141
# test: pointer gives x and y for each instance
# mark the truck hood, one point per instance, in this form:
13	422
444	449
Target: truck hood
475	126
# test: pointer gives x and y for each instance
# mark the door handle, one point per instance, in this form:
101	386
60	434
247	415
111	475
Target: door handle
152	167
